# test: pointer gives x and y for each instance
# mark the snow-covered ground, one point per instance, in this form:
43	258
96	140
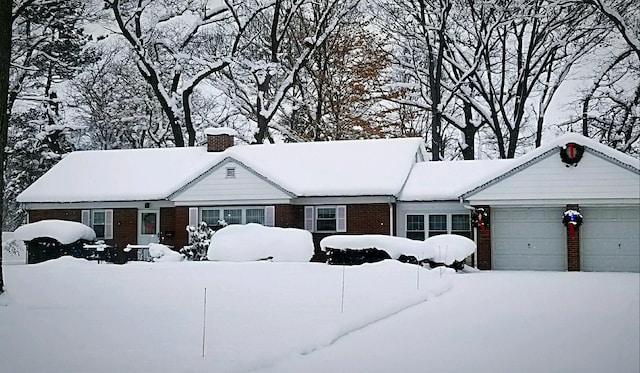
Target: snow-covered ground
70	315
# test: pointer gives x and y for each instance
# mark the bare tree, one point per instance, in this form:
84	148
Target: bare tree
179	45
263	75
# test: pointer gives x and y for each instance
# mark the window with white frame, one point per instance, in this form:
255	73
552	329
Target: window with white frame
101	221
325	218
211	216
461	224
420	226
415	227
437	224
254	216
233	215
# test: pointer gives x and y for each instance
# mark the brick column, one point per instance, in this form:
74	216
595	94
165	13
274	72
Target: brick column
484	242
573	245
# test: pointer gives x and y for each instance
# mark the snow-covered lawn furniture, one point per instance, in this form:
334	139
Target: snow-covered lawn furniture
251	242
442	250
51	239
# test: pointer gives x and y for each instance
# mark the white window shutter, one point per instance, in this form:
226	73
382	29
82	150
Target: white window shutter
309	218
270	216
341	218
86	217
108	224
193	216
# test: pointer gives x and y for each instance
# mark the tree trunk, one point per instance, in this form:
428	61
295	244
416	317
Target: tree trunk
5	61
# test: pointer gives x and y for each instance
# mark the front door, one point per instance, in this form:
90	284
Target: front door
148	226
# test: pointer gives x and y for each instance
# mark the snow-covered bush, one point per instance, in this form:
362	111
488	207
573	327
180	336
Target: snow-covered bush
200	238
163	253
446	249
237	243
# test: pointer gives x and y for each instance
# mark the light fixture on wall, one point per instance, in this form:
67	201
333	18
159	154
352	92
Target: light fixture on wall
146	205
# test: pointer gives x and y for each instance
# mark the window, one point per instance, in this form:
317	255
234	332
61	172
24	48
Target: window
99	223
437	225
100	220
231	173
211	217
236	215
255	216
415	227
326	219
148	223
232	216
461	224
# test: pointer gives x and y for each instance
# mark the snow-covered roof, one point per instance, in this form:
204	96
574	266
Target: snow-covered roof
334	168
337	168
119	175
65	232
446	180
624	160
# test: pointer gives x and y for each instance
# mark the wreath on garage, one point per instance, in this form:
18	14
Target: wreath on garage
480	219
572	219
571	154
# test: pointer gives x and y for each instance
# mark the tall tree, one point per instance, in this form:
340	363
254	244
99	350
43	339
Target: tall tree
6	21
180	44
264	73
335	94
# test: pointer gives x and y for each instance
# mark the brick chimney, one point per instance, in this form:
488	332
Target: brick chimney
219	138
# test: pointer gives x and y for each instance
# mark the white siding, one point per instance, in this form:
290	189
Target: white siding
550	179
610	239
245	186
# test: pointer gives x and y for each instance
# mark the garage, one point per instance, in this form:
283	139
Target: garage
528	238
609	239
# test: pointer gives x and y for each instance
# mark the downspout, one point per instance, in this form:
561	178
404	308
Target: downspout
391	220
475	234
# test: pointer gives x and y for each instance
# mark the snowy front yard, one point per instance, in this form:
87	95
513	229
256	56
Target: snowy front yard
70	315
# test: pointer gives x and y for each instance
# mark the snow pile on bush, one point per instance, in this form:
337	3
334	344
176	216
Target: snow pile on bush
394	246
162	253
63	231
444	248
237	243
13	251
200	238
449	248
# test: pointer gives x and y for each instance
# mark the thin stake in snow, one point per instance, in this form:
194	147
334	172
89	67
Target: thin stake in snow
204	320
418	278
342	297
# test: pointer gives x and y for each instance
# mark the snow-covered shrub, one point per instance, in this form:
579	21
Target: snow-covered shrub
163	253
250	242
200	238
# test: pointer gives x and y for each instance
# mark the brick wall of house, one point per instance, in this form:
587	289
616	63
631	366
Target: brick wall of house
484	243
64	214
289	216
168	226
125	227
573	245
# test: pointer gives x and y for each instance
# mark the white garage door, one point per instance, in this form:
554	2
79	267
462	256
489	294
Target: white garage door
610	239
530	238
